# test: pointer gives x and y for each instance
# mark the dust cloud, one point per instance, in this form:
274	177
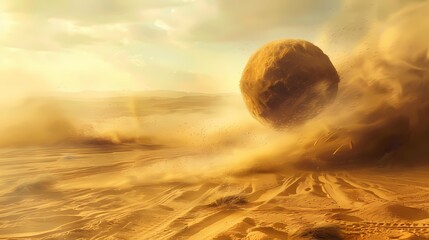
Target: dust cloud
378	119
172	165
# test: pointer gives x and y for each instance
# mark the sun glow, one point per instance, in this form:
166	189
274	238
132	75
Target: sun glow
5	24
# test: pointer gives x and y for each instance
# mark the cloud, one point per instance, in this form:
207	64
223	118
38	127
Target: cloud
175	22
59	25
88	12
188	41
202	20
147	32
219	20
33	33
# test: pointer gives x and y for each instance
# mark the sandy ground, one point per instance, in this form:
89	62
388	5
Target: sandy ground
89	193
147	190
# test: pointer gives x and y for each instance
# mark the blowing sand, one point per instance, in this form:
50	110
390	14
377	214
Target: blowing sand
197	166
165	184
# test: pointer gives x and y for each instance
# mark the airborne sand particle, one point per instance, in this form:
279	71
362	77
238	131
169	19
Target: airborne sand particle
380	114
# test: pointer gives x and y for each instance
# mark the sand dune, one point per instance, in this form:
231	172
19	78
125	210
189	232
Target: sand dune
91	193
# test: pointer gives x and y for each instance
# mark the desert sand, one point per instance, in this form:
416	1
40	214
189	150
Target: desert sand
172	184
180	165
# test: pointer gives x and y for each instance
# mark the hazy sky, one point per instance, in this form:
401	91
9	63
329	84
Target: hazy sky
185	45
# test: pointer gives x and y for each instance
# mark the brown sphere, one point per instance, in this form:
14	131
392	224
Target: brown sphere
288	81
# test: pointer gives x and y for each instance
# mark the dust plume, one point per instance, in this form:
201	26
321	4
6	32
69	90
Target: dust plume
38	121
380	117
204	122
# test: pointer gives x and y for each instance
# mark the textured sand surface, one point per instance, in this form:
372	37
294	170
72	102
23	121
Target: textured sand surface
90	193
165	187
